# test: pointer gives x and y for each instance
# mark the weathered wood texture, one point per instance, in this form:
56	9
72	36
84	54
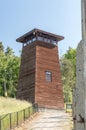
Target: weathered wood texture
48	94
26	87
37	58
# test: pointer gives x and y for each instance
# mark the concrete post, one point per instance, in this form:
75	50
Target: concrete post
79	102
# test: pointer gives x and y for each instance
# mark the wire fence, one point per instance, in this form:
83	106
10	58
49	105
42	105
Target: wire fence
12	120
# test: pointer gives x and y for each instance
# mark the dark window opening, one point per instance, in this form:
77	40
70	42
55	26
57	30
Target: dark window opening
48	76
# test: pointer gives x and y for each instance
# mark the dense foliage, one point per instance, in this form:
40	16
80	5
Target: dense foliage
68	68
9	69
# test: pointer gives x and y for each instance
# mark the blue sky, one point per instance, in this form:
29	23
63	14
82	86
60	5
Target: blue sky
62	17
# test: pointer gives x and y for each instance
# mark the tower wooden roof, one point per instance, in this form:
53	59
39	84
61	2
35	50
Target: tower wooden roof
37	32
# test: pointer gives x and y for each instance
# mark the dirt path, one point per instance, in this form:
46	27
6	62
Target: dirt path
49	120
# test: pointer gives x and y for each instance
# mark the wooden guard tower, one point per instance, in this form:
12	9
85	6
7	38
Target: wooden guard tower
40	77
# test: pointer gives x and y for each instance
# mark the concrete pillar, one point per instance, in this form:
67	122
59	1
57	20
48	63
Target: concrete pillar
79	102
79	91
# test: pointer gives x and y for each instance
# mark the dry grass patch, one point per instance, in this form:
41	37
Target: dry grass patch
9	105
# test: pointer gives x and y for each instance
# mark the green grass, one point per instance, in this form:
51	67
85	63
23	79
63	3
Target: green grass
9	105
13	112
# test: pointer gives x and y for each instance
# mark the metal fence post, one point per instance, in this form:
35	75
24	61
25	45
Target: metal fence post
36	107
28	111
17	118
10	121
24	114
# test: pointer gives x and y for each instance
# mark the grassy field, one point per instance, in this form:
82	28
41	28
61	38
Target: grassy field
9	105
13	112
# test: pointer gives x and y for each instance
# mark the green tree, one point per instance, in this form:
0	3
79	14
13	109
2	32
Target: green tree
3	66
68	69
9	52
13	63
13	72
1	47
9	70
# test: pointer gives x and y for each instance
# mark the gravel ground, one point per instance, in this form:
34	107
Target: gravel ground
48	120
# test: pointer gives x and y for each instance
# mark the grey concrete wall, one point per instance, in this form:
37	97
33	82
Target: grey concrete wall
79	91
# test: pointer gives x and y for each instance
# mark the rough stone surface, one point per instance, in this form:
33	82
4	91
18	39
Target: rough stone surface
79	102
79	92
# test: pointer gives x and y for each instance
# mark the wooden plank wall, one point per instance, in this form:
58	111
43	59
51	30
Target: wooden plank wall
37	58
26	86
48	94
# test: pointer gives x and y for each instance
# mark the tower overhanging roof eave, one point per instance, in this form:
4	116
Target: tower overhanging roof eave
34	32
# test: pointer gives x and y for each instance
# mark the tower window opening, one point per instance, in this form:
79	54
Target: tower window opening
45	39
40	38
34	39
48	76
